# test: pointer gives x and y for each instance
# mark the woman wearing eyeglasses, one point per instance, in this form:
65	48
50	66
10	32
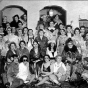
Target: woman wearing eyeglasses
70	50
24	72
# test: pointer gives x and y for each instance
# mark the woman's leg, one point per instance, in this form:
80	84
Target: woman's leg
53	78
43	81
16	83
32	78
63	78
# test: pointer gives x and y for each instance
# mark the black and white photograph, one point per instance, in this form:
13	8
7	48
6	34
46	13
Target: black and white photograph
43	44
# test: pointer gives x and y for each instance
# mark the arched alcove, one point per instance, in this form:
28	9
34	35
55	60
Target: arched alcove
12	10
58	10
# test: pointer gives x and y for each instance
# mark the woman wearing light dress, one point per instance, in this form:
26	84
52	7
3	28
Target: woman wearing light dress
25	34
61	41
79	42
52	31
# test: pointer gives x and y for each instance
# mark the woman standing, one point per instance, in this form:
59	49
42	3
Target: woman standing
79	42
25	34
30	39
61	41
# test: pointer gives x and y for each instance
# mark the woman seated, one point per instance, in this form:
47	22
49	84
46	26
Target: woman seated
53	71
44	69
35	56
12	50
24	72
51	49
58	72
70	51
7	69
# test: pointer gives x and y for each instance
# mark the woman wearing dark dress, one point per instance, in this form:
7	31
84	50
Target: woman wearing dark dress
44	69
35	58
70	51
15	21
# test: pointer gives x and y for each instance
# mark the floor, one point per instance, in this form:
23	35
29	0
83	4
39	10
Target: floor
75	84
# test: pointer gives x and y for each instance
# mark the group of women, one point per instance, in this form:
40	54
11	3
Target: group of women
53	55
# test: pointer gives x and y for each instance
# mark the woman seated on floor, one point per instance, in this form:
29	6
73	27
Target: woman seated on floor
56	73
23	75
6	76
59	71
44	70
35	57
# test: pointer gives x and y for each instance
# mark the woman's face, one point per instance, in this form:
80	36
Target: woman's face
16	19
41	26
62	32
51	24
25	61
8	60
41	33
61	26
52	44
69	30
7	25
56	17
70	45
16	59
13	30
82	30
19	32
59	58
13	47
77	32
46	59
20	25
35	45
22	45
9	31
30	32
25	30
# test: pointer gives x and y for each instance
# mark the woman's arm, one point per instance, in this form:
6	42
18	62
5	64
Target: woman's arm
51	70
